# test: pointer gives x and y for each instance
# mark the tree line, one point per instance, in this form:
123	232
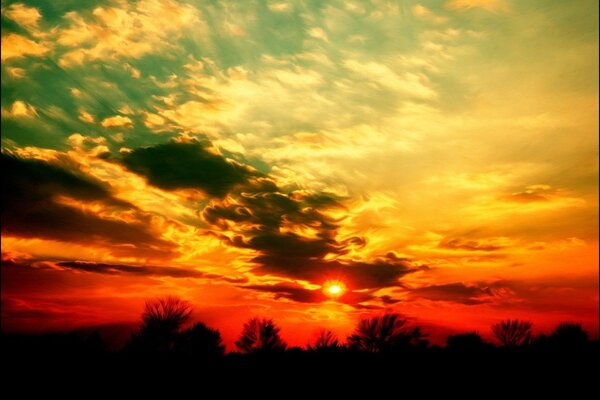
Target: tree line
385	352
161	333
165	333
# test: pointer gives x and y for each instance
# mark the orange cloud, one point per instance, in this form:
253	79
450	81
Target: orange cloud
17	46
19	109
489	5
116	122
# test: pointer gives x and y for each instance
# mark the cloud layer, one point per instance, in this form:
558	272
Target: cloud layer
37	200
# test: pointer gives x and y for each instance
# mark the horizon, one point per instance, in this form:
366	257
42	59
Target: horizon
116	339
311	163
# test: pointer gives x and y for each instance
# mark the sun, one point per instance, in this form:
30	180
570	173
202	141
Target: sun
334	289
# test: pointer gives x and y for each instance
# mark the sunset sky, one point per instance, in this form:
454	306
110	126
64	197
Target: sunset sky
436	158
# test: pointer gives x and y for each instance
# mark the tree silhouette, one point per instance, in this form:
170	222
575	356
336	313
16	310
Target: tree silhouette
326	341
260	335
161	321
200	343
569	335
469	342
166	314
513	333
386	333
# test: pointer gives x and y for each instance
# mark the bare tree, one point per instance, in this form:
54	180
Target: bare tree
166	314
260	335
386	333
326	341
513	333
162	320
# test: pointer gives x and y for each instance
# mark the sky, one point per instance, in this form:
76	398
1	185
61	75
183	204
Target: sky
438	159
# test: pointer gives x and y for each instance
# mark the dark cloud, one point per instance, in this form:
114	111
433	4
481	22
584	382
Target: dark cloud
299	293
144	270
290	291
32	180
26	314
369	307
468	244
32	208
273	224
112	269
115	269
459	292
386	299
187	166
356	274
11	262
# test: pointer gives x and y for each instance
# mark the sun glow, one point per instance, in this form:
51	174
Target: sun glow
334	289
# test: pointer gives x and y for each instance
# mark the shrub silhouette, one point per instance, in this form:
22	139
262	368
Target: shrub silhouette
569	335
260	335
326	341
386	333
161	321
469	342
513	333
165	314
200	343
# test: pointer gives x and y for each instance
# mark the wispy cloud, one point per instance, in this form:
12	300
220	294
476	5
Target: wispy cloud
490	5
17	46
113	32
26	16
19	109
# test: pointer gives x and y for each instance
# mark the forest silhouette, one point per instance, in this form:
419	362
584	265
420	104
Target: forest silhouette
168	345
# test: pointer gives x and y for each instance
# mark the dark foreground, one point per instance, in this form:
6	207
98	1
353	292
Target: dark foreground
61	365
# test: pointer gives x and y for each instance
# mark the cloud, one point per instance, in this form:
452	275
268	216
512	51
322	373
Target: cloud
290	291
256	99
462	293
299	78
318	33
356	274
135	73
301	294
154	121
117	121
126	110
492	244
409	83
489	5
425	13
16	72
17	46
192	165
144	270
200	116
20	109
86	117
139	28
296	238
298	293
279	7
41	200
531	194
23	15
